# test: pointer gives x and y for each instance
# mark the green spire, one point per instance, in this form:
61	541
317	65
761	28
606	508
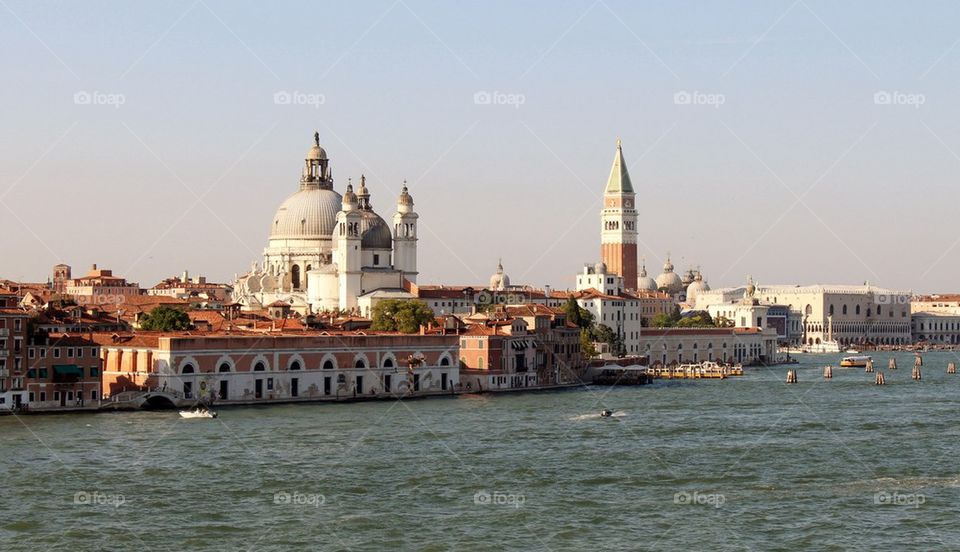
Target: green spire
619	181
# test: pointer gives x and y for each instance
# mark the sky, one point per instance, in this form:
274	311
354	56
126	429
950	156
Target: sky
796	141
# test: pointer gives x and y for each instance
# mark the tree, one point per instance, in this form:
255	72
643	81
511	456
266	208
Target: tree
401	315
586	345
577	314
666	320
165	319
700	319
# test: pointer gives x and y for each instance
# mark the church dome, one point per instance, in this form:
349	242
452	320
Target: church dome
310	213
499	281
600	268
669	280
696	287
374	232
644	282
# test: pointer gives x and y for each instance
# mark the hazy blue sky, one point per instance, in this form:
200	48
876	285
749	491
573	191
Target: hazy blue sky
799	175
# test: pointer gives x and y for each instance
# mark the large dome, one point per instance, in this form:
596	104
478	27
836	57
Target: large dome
374	232
669	281
308	214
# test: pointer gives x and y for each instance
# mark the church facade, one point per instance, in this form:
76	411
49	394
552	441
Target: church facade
325	249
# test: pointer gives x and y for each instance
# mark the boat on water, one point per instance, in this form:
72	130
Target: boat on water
852	352
606	413
814	348
198	413
857	361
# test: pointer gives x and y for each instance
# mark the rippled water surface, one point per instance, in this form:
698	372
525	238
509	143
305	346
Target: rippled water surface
745	463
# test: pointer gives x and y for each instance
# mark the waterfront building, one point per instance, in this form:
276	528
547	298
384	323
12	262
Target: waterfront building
847	314
618	222
63	373
936	327
666	346
13	340
242	367
326	250
937	303
99	286
558	357
497	353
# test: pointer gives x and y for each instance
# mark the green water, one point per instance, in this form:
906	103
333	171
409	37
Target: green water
748	463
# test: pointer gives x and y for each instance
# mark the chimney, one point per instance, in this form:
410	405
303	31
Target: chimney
186	277
94	267
202	279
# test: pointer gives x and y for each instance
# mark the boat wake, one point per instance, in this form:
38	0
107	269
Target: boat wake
617	414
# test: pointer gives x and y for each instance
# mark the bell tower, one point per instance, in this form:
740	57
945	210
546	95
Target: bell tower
618	223
405	236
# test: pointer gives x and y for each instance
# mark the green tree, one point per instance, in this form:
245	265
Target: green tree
577	314
165	319
586	345
401	315
701	319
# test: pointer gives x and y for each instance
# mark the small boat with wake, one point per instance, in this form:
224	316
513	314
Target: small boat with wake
198	412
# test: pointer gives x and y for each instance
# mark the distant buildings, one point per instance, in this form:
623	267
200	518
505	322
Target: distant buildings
97	287
185	287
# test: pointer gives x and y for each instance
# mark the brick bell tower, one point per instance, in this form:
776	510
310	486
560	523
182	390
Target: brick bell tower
618	223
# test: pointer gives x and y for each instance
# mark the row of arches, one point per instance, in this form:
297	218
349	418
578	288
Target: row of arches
329	362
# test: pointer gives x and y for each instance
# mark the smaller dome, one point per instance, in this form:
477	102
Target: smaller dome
499	281
644	282
316	153
600	268
349	197
669	281
696	287
374	232
405	197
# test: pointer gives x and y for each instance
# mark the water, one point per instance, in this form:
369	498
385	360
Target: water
745	463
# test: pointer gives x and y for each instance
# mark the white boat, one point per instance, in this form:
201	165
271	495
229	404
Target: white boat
852	352
817	348
198	413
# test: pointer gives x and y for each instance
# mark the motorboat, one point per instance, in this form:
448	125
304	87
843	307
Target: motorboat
198	413
857	361
606	413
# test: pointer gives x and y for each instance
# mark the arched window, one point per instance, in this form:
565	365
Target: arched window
295	276
857	311
444	361
187	369
328	365
225	367
388	363
480	363
258	367
295	365
844	310
360	363
831	310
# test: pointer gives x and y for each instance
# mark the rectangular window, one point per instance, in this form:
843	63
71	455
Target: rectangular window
93	395
69	352
43	353
56	352
16	325
94	371
17	345
269	384
79	352
43	396
376	259
31	352
43	373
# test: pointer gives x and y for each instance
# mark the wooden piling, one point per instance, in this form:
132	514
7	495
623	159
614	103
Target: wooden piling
951	367
791	376
869	368
892	364
828	372
879	379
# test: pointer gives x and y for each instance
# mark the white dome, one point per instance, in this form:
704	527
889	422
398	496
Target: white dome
600	268
499	281
644	282
695	288
310	213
